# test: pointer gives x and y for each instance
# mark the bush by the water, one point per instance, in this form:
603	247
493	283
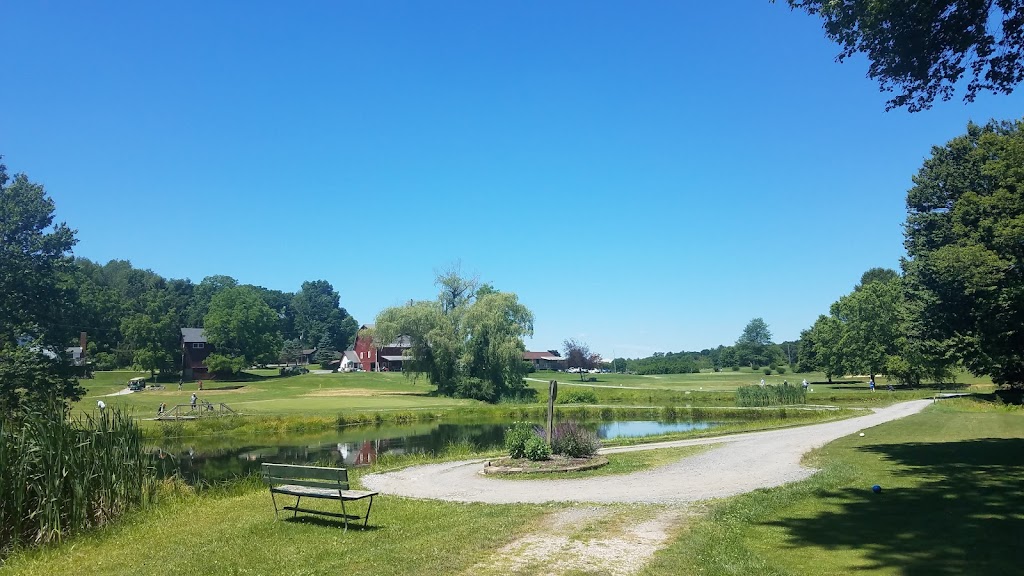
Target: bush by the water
537	449
60	475
574	441
578	397
516	438
770	395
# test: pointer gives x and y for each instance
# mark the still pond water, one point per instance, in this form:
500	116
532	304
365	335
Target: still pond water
210	459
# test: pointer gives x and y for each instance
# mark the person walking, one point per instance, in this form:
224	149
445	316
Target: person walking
805	384
180	382
871	384
194	400
200	384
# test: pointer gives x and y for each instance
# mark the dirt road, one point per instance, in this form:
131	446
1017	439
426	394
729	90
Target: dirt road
742	462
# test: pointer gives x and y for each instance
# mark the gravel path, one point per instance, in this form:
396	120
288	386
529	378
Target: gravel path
742	463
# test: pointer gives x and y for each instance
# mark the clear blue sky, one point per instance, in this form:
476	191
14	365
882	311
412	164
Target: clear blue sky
647	176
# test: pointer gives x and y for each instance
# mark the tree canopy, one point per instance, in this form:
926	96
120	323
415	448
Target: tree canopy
965	247
578	355
319	315
35	299
922	50
242	329
468	343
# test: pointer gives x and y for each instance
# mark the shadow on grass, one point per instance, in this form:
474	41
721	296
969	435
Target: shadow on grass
882	386
332	523
967	517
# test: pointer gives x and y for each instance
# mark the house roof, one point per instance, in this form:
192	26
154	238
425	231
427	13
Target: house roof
396	358
352	356
545	355
310	351
400	342
192	335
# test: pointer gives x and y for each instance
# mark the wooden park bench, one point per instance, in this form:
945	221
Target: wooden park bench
314	482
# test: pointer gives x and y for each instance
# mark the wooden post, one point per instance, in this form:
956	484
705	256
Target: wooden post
552	393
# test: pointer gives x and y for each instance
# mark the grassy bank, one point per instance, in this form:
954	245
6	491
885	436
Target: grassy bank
233	531
951	482
746	419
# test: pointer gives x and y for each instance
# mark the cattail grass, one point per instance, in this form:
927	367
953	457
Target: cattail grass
59	476
770	395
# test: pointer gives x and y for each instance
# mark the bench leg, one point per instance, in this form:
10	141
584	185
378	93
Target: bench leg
296	511
344	513
367	517
274	500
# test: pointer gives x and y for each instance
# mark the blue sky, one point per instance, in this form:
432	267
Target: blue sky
645	176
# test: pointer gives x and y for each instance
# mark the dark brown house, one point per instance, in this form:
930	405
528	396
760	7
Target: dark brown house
545	360
194	350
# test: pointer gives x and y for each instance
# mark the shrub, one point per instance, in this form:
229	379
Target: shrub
735	368
574	441
537	449
476	389
767	371
781	369
516	438
578	397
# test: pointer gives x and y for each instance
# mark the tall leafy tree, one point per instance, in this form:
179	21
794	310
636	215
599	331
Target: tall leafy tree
922	50
242	329
466	344
153	335
203	295
965	247
318	313
752	347
35	300
578	355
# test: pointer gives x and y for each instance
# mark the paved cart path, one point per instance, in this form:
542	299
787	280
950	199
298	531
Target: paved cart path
742	462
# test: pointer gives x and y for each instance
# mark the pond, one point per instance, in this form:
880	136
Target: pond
210	459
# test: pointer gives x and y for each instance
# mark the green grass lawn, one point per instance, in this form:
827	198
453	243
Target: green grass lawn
268	394
952	494
238	535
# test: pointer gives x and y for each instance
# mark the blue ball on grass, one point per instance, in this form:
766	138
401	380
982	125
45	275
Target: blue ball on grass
876	489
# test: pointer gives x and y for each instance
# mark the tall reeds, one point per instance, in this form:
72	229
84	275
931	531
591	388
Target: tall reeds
770	395
59	475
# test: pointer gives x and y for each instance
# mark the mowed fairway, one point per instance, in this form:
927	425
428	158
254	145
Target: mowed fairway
308	394
265	393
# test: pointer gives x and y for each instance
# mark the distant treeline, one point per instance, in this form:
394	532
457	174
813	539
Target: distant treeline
134	317
721	358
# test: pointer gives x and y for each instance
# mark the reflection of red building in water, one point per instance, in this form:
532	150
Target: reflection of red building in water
367	453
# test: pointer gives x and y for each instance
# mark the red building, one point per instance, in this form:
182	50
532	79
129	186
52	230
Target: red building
374	358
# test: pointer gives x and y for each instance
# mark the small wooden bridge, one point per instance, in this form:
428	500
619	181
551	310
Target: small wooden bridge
199	410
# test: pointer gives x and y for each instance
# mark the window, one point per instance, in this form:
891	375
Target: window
197	344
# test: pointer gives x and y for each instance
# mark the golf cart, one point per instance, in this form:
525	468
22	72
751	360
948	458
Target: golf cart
136	384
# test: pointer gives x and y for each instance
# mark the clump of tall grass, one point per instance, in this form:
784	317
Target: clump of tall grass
770	395
59	476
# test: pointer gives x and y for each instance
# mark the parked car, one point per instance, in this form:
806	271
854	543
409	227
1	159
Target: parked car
293	370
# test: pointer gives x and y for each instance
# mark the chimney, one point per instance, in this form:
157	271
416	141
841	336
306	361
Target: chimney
81	342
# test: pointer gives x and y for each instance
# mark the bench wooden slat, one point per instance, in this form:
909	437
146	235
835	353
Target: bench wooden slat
311	472
333	494
274	481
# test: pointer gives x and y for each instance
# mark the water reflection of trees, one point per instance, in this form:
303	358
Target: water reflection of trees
218	460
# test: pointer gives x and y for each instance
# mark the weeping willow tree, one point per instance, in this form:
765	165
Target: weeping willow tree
468	342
